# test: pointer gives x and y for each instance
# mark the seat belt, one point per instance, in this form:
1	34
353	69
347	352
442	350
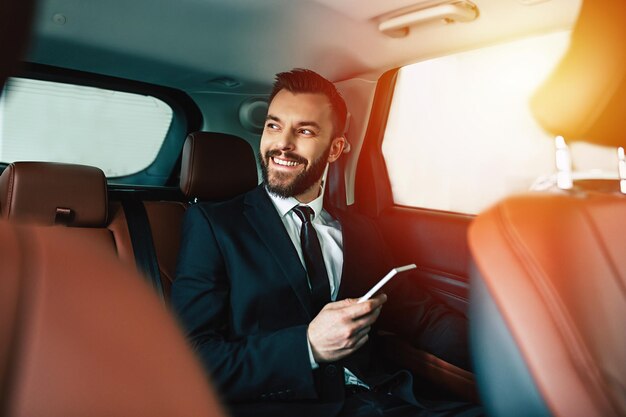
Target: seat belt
141	239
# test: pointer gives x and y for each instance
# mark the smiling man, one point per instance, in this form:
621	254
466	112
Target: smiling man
307	124
267	283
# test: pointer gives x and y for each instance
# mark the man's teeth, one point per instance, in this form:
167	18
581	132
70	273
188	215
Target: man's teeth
285	163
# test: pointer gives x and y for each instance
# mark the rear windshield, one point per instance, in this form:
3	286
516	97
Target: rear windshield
119	132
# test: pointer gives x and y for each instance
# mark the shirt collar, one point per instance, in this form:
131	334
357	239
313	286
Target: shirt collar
284	205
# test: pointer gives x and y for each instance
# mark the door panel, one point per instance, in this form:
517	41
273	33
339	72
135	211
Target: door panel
437	243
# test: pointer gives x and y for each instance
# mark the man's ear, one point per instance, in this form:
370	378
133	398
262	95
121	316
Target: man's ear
336	148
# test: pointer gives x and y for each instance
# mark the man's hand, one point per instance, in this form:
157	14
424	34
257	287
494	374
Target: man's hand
342	327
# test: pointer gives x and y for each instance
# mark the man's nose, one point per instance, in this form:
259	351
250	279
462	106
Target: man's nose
286	140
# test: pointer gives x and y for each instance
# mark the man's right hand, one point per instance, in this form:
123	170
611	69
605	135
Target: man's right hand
342	327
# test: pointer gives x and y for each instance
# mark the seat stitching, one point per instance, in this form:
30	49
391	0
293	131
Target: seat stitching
604	249
106	198
10	197
615	273
191	170
579	354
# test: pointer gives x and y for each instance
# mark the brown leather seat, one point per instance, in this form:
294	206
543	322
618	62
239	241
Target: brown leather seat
548	294
165	221
74	322
47	193
207	173
83	335
548	305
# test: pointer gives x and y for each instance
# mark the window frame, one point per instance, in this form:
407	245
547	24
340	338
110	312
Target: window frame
372	191
372	188
186	118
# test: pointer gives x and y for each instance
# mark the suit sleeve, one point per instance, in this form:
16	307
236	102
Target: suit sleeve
252	367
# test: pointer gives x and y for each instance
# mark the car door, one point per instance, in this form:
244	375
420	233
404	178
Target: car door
448	137
434	240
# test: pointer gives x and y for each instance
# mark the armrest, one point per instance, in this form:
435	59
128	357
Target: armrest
429	367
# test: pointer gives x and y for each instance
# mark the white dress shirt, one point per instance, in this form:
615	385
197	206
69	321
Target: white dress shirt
328	232
331	241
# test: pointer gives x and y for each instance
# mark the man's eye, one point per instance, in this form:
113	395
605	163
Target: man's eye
272	126
307	132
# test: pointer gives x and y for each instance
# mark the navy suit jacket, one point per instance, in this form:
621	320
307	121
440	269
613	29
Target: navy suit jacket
241	294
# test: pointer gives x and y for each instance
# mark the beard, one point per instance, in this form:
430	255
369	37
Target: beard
301	182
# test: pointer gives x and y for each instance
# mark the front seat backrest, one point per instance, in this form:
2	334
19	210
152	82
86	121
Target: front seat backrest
81	334
548	293
548	305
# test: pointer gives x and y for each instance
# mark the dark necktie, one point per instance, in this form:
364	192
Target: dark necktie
313	259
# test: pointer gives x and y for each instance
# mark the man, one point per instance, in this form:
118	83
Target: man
268	296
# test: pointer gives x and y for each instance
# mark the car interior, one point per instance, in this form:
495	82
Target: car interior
117	116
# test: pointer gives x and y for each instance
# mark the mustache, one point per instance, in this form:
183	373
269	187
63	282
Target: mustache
288	155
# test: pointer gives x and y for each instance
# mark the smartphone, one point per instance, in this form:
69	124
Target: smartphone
385	280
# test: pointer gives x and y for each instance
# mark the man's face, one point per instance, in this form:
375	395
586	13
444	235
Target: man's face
297	144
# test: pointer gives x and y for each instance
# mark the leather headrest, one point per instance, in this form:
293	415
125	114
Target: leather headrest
217	166
585	97
49	193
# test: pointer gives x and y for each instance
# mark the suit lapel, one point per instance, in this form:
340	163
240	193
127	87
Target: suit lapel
264	218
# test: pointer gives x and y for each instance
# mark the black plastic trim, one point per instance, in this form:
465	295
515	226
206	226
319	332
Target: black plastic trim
372	191
119	192
142	242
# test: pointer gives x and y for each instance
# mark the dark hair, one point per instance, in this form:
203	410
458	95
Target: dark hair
300	80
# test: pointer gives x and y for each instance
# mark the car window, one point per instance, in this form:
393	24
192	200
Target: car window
460	133
119	132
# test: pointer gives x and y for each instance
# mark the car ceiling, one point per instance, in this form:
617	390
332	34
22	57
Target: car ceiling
205	45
